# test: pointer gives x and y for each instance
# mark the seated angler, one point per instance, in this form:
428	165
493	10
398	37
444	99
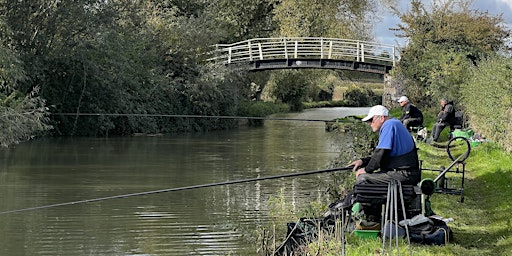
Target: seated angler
395	156
411	115
446	117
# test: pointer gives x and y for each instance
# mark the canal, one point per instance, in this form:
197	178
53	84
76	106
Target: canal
220	220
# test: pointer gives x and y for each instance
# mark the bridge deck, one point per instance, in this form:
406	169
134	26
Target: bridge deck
307	52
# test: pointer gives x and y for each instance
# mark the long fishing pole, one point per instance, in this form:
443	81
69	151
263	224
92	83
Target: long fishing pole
196	116
180	189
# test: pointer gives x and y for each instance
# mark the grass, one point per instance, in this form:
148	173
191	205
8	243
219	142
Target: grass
482	225
482	222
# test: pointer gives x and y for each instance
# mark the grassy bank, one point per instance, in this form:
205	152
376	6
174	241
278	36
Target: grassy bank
482	222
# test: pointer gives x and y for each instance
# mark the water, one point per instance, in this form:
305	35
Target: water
220	220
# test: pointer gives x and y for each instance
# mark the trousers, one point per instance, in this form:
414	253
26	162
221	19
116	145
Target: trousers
406	177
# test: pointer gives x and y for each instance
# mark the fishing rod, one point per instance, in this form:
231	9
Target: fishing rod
195	116
180	189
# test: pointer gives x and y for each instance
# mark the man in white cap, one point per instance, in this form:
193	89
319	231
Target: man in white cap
395	155
411	115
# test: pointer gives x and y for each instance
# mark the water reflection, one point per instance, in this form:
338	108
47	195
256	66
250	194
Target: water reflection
207	221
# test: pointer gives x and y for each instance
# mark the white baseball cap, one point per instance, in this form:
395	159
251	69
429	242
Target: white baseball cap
402	99
377	110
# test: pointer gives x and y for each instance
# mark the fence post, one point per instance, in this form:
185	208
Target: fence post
357	52
229	55
362	52
296	48
393	56
321	48
261	51
250	50
285	48
330	49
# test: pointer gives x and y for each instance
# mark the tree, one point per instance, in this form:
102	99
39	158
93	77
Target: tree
118	57
243	19
291	87
21	117
317	18
443	43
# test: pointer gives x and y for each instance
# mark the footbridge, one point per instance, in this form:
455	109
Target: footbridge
307	52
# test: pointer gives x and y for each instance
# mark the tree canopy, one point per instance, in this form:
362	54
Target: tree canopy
443	42
461	54
63	59
145	57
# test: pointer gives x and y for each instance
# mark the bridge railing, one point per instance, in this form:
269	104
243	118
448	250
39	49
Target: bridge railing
303	48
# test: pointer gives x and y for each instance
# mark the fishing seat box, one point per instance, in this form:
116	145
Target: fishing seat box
375	195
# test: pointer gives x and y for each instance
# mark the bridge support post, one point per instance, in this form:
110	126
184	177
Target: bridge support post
393	89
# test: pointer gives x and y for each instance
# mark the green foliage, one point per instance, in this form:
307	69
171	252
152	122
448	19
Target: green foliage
146	57
356	96
324	104
120	58
360	143
260	108
297	18
22	117
443	43
488	100
291	87
11	69
255	22
280	212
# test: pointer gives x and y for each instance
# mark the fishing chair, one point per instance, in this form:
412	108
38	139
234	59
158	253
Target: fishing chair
373	198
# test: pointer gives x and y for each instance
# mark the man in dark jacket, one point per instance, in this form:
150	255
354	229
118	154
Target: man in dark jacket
411	115
445	118
395	156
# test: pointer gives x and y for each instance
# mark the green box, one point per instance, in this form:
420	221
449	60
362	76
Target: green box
366	233
462	133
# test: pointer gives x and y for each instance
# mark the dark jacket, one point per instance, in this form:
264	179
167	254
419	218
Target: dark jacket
411	111
447	114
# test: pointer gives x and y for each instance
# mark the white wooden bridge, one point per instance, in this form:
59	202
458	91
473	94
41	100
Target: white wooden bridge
307	52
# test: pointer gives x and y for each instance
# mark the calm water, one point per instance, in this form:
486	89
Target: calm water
207	221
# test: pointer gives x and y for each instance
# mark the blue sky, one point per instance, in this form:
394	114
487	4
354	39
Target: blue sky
385	36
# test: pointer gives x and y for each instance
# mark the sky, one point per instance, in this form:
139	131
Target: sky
385	36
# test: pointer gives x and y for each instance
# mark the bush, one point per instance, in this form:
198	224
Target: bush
361	97
291	87
260	108
324	104
487	97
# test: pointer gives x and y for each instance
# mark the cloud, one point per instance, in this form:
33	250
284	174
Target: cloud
496	7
